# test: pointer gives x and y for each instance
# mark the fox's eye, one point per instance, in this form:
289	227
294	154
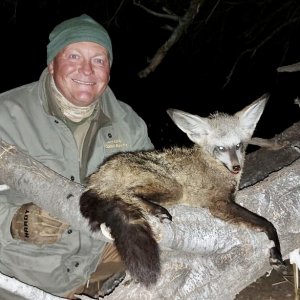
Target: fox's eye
221	148
238	146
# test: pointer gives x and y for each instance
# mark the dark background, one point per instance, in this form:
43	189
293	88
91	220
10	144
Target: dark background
193	75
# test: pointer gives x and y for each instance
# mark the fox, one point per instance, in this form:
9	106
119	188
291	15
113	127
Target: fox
129	186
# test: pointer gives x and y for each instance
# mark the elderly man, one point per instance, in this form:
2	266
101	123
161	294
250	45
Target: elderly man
70	121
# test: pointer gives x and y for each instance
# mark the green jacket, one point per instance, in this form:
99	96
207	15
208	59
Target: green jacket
25	122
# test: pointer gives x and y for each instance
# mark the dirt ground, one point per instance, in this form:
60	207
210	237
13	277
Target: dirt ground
273	287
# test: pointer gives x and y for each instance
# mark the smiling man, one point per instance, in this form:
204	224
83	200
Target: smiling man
81	72
70	121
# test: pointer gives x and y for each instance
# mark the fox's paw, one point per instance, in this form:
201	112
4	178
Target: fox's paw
279	267
276	261
162	214
111	283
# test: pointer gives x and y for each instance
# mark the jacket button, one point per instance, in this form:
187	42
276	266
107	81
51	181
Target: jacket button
109	135
70	231
77	264
72	178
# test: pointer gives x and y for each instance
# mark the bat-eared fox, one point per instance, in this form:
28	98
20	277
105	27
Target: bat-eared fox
130	185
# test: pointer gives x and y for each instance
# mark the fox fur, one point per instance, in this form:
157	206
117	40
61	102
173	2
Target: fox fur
128	186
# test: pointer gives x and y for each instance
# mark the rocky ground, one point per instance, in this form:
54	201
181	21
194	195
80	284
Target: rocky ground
273	287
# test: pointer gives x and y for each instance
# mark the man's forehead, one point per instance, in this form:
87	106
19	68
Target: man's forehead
80	46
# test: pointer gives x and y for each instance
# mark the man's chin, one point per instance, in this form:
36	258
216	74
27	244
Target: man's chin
83	100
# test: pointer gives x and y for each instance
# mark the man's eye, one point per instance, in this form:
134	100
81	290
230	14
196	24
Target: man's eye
74	56
99	61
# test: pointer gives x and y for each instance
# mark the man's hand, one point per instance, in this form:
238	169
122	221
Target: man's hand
34	225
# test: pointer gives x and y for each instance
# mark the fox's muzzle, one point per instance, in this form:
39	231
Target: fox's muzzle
236	168
234	160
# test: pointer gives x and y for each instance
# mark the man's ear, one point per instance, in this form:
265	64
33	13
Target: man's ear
50	68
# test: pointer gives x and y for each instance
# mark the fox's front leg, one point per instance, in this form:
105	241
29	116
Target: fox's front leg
155	209
236	214
156	194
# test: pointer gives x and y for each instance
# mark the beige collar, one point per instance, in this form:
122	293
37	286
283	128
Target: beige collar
69	110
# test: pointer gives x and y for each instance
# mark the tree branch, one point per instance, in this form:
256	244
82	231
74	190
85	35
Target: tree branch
168	16
290	68
178	32
253	50
45	187
198	251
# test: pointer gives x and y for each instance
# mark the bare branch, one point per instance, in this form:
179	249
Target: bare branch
117	11
253	50
212	11
290	68
184	23
156	14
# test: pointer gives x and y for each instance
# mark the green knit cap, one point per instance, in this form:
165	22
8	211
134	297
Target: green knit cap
79	29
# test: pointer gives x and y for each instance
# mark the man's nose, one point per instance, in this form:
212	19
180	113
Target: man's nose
86	67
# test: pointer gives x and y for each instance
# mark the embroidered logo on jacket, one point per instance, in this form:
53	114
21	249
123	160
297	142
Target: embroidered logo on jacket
115	144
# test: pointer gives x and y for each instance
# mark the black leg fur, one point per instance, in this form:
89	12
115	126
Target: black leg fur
133	236
236	214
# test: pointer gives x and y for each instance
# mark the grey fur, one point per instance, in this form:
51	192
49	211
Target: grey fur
129	186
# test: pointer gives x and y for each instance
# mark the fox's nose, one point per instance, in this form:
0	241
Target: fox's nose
236	168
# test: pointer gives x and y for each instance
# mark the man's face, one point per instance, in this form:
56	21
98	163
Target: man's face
81	72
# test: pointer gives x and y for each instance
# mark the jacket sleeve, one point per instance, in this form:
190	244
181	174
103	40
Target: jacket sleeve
143	141
125	116
10	201
139	131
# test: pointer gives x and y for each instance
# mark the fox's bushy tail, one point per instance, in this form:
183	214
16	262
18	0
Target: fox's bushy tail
133	235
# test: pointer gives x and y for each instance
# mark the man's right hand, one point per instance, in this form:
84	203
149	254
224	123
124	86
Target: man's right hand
34	225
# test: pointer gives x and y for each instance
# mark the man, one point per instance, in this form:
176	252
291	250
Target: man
70	121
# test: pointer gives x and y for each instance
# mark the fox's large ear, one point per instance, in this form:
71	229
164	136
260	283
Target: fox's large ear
250	115
194	126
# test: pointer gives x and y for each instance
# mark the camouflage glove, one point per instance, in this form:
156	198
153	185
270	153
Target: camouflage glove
34	225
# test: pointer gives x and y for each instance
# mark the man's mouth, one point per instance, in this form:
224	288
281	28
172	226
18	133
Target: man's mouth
83	82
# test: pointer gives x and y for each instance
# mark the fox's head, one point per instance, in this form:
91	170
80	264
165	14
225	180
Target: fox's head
223	136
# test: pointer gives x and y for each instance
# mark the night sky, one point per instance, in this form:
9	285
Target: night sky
193	75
